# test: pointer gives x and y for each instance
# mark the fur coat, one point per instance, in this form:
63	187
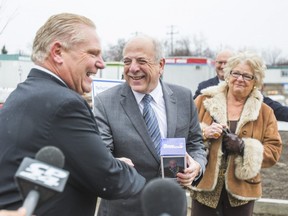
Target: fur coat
257	127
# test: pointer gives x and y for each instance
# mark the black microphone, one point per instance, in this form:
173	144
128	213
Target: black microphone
41	178
163	197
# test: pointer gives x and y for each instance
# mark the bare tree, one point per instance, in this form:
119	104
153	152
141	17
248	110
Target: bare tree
172	33
4	21
183	47
271	55
201	49
200	45
3	50
208	53
114	52
282	61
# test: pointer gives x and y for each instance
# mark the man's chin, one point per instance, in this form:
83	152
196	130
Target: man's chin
138	89
87	90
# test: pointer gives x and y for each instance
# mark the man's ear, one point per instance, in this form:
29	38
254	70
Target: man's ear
56	52
162	64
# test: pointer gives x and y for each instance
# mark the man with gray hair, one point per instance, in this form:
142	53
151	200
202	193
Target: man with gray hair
127	129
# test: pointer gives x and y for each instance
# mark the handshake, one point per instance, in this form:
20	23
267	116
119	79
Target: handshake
232	143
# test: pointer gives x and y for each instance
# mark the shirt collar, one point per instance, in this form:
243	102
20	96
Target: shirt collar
156	94
49	72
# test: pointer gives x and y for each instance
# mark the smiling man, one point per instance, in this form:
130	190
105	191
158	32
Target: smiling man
48	109
124	129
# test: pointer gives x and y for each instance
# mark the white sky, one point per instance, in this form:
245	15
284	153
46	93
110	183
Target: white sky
259	24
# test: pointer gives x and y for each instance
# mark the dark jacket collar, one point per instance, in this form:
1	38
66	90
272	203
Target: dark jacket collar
42	74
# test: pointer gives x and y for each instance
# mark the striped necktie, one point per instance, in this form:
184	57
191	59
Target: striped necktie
151	122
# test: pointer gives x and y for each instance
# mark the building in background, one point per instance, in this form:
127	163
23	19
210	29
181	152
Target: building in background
112	70
14	69
276	84
184	71
188	71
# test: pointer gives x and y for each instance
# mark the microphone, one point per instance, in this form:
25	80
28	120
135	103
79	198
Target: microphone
163	197
41	178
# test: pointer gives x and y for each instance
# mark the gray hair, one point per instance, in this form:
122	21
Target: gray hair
65	28
254	61
158	49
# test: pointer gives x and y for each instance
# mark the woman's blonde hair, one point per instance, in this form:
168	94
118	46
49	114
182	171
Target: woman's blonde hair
254	61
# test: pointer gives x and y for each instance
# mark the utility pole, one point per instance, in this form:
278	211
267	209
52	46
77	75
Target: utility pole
171	33
136	33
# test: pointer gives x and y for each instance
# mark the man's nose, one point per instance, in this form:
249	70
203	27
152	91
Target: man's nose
100	63
134	66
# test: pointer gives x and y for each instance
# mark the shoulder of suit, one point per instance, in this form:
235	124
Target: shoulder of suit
207	83
112	90
175	87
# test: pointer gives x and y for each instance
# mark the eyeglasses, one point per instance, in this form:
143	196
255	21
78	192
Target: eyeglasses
237	74
221	62
140	61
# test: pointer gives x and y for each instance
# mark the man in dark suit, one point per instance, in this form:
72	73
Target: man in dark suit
48	109
123	128
220	61
280	111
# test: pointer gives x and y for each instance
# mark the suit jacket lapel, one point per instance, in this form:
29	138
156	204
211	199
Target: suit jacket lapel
171	110
131	108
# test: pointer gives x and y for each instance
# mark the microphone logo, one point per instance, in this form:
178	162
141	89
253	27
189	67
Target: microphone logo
44	174
41	174
40	179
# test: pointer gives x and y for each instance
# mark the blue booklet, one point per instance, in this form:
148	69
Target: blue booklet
173	146
173	158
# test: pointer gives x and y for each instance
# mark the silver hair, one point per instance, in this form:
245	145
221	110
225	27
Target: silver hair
158	49
254	61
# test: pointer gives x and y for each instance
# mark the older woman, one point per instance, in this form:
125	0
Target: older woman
241	136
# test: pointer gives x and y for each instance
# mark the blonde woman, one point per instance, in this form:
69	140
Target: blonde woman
241	136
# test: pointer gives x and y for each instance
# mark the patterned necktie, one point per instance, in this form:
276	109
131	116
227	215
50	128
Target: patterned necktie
151	122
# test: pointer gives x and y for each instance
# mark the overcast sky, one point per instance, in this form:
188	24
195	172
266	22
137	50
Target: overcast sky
261	24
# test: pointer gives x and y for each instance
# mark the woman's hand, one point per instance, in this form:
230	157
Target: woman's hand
233	144
213	131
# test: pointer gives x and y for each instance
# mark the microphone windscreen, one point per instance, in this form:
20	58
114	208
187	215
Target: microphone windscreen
163	197
51	155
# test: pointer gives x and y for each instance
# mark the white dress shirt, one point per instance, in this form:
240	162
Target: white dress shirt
158	105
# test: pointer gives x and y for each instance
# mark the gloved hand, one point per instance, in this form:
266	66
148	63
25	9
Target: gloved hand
233	144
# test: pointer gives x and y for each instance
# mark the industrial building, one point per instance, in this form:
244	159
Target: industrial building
185	71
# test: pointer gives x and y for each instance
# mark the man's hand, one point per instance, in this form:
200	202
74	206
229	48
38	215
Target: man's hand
19	212
190	173
126	160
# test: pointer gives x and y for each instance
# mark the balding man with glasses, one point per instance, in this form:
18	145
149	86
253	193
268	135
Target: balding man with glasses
133	116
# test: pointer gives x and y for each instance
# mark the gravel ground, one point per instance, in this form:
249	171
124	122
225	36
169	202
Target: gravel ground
275	179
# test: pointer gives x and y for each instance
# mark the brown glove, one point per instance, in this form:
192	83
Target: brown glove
233	144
